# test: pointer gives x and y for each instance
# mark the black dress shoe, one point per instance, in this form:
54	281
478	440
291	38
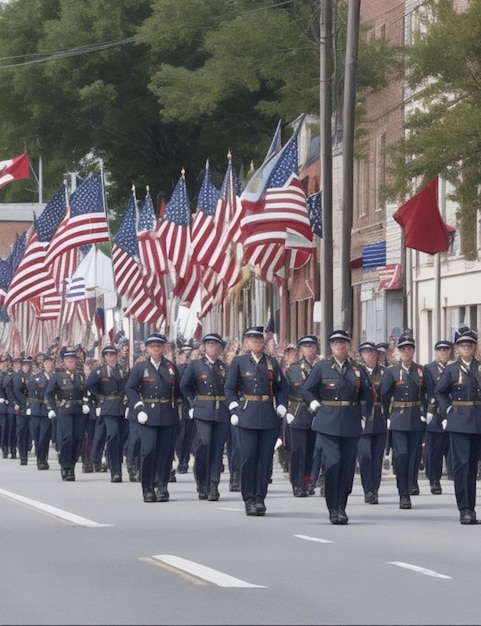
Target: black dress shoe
172	477
63	473
149	496
260	506
161	493
299	492
404	502
436	488
182	468
414	490
467	516
374	499
213	492
342	518
23	460
70	474
203	493
116	478
333	518
251	509
368	497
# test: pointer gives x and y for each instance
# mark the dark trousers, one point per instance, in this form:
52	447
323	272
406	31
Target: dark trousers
371	453
257	450
116	431
317	458
300	445
464	453
406	446
70	434
23	434
41	431
10	440
436	447
98	443
183	440
339	454
156	446
3	423
233	451
132	450
209	451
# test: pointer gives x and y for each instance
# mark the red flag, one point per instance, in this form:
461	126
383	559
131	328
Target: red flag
14	169
421	221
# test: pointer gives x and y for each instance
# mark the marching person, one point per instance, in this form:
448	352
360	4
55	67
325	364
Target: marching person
11	421
185	431
202	385
153	393
106	385
20	381
334	392
437	439
3	408
404	401
458	393
300	436
256	393
66	397
373	439
41	425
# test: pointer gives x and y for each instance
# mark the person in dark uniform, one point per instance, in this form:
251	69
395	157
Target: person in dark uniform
106	385
373	439
202	384
66	397
458	393
437	439
334	392
3	408
11	422
256	393
300	436
154	395
404	401
41	425
21	405
184	437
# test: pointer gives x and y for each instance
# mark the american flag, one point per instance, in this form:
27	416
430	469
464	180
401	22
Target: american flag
125	252
314	208
204	234
276	231
151	252
86	222
9	266
174	230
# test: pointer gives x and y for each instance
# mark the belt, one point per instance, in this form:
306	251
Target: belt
377	404
466	402
339	403
111	397
294	399
405	405
264	398
36	400
211	398
156	400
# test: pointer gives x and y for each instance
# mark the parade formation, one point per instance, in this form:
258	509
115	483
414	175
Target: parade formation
189	407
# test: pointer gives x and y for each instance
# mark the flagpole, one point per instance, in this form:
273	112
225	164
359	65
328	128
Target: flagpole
436	327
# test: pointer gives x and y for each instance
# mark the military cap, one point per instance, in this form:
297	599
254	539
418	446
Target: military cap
405	339
156	338
186	348
367	345
382	346
65	352
27	359
290	346
213	337
195	345
306	340
109	350
464	334
254	331
443	343
342	335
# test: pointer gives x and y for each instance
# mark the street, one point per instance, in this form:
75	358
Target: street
92	552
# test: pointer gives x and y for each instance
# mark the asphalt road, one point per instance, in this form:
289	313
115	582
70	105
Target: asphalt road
92	552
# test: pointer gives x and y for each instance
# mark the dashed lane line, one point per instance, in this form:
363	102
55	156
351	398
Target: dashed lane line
420	570
318	539
204	573
46	508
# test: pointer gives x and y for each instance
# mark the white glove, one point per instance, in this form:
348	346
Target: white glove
142	417
85	409
51	414
281	410
28	412
449	409
234	420
289	418
139	405
98	411
444	423
423	419
191	413
363	423
2	400
388	423
233	405
126	412
314	405
429	418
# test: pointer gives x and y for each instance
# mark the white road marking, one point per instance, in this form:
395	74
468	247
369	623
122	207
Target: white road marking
420	570
230	508
65	515
201	571
307	538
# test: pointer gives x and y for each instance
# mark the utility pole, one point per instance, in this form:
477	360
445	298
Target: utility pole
348	126
326	69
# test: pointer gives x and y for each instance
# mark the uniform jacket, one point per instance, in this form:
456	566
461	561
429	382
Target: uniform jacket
459	383
66	393
3	395
263	380
296	375
331	386
157	389
202	378
36	386
20	381
409	390
432	373
375	419
8	388
107	387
